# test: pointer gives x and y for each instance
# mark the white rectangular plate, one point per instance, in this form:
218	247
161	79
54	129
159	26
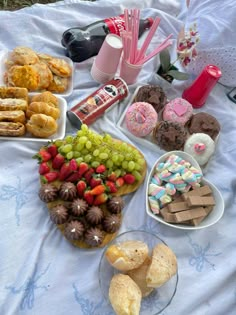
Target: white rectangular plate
4	57
61	126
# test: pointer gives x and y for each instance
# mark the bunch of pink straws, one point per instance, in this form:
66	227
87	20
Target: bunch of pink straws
131	53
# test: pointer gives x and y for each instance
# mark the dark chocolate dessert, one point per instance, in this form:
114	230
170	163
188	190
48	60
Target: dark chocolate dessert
58	214
79	206
111	223
169	135
115	204
152	94
94	215
94	237
48	193
74	230
67	191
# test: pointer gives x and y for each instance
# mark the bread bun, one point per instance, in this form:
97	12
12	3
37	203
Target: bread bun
41	125
12	129
13	116
42	108
46	97
163	266
13	104
127	255
125	295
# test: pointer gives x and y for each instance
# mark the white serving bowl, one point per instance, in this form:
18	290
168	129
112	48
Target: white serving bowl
214	215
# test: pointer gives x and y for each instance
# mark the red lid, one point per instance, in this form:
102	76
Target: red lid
150	21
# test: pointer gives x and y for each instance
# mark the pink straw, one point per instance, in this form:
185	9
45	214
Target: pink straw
135	30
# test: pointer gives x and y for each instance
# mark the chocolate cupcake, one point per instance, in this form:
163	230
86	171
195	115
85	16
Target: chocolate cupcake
67	191
111	223
48	193
152	94
79	206
94	237
204	123
169	135
94	215
58	214
115	204
74	231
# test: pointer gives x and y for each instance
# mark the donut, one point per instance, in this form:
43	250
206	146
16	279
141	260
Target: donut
152	94
200	146
169	135
178	110
141	118
204	123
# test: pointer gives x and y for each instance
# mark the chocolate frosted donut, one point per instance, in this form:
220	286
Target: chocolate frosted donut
67	191
74	230
94	237
58	214
169	135
79	206
48	192
204	123
115	204
152	94
94	215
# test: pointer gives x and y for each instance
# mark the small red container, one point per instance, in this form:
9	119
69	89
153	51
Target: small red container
197	93
94	106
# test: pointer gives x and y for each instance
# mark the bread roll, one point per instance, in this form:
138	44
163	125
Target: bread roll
41	125
42	108
14	92
139	277
125	296
127	255
13	104
13	116
46	97
163	266
12	129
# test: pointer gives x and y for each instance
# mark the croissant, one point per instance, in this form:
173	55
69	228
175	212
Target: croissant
41	125
46	97
42	108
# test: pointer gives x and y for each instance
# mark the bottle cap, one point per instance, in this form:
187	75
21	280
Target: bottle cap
106	63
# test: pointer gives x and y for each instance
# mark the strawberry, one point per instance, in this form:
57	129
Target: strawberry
44	168
83	167
100	169
58	160
95	181
49	177
81	186
88	174
100	199
129	178
97	190
52	149
112	177
73	177
89	198
120	182
67	169
73	165
111	186
43	156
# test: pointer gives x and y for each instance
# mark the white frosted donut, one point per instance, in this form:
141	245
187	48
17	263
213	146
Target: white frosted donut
200	146
178	110
141	118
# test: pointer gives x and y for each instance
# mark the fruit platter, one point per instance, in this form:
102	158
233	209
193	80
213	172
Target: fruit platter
82	180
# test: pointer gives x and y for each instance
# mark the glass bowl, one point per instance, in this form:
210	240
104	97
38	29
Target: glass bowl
159	298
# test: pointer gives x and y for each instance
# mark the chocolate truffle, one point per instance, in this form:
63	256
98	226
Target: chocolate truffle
169	135
79	206
111	223
67	191
152	94
59	214
204	123
94	237
48	192
74	230
94	215
115	204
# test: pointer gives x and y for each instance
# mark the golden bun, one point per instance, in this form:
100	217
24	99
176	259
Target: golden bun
41	125
42	108
46	97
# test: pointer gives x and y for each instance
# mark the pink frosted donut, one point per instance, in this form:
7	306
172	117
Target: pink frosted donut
141	118
178	110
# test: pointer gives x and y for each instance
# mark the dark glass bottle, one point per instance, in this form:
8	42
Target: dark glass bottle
85	42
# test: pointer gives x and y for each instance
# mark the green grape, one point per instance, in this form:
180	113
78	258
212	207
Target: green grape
137	175
70	155
124	165
59	143
95	164
103	156
109	163
79	160
140	161
69	139
84	151
96	152
107	138
83	139
76	154
80	133
79	147
123	146
131	166
88	144
66	148
137	167
122	173
115	158
129	157
88	158
117	172
84	127
121	157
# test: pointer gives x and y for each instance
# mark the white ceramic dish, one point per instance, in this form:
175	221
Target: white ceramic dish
61	125
214	215
4	57
159	299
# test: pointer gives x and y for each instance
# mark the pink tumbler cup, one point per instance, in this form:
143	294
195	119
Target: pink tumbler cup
197	93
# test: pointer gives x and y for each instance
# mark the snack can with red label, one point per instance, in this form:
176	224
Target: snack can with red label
94	106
